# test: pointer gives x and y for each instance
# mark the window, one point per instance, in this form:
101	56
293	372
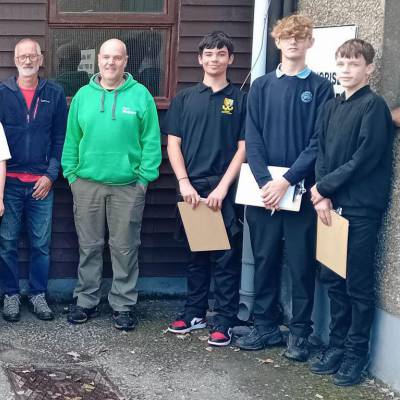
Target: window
148	28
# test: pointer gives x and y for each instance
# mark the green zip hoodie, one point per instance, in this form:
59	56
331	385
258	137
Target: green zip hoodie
113	137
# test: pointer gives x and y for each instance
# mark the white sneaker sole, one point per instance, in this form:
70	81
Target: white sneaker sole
187	330
219	344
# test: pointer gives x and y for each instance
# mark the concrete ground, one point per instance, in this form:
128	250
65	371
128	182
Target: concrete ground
150	364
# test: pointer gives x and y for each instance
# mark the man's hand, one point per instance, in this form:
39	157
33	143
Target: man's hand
216	197
189	193
42	188
1	207
316	197
323	209
273	192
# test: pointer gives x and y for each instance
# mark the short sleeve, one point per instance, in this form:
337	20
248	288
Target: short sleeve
4	150
172	120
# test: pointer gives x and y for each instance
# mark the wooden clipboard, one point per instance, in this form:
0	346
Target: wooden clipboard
332	244
204	228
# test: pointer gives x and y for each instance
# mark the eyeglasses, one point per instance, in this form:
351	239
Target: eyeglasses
24	57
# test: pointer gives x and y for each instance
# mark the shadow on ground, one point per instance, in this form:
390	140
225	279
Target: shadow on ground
56	360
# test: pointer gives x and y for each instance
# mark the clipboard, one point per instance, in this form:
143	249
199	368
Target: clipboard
332	244
204	228
248	192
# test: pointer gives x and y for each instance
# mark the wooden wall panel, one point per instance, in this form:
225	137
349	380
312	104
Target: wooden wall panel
160	254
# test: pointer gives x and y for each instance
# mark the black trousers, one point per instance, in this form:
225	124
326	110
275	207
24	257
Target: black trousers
226	267
266	234
352	299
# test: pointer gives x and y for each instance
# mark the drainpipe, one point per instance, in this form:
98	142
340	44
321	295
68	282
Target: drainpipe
258	62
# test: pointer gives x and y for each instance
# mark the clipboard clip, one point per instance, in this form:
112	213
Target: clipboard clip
299	190
339	210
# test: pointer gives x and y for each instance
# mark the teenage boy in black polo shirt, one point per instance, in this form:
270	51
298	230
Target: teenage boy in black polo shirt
353	172
282	109
205	127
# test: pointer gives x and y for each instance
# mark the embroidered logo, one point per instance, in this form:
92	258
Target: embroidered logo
127	110
227	106
306	97
44	101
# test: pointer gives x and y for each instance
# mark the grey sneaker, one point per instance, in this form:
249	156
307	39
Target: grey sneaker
38	305
11	307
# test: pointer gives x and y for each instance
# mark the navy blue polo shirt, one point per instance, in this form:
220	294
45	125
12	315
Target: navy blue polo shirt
209	125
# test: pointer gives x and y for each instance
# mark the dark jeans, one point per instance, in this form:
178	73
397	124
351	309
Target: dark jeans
266	236
352	299
227	268
18	200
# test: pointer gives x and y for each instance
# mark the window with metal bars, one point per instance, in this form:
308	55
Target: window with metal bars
147	27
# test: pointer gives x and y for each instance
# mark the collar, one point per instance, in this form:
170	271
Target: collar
201	87
356	95
305	73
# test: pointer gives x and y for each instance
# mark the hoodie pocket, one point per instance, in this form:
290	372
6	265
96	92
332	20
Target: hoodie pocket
114	168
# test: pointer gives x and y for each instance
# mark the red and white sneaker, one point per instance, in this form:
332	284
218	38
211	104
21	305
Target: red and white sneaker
182	326
220	336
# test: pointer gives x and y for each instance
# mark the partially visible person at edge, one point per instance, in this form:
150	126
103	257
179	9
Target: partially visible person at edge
353	173
111	152
396	117
4	156
205	128
33	112
282	109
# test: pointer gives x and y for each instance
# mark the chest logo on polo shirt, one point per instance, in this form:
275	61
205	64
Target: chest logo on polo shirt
227	106
306	97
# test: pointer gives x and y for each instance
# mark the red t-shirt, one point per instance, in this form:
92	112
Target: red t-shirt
28	95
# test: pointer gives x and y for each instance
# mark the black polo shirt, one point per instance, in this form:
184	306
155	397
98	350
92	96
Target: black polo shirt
209	125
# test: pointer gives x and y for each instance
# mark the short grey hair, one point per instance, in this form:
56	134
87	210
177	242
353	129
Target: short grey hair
28	40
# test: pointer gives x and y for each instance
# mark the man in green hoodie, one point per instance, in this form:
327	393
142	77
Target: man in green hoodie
111	152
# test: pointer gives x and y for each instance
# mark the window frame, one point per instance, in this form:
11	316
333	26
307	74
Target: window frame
125	21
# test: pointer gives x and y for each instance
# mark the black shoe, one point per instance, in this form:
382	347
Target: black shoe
38	306
298	348
350	371
11	307
257	340
79	315
328	361
125	320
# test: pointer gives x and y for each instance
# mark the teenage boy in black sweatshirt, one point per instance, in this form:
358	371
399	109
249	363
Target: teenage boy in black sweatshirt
353	172
280	131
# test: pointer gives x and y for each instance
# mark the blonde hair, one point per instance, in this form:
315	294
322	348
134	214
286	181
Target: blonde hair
295	25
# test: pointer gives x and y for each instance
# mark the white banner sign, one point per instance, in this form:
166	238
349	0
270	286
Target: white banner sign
321	57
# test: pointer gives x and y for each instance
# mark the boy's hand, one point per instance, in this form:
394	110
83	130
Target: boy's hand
273	192
216	197
189	193
42	188
323	209
1	207
315	195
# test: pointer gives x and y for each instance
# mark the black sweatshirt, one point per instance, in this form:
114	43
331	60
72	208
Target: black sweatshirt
354	161
281	115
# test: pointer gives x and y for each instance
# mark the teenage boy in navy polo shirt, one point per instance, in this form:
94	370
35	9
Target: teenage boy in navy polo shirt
205	127
353	172
282	109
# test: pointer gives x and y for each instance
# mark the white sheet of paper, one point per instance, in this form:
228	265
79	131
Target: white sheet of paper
248	192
